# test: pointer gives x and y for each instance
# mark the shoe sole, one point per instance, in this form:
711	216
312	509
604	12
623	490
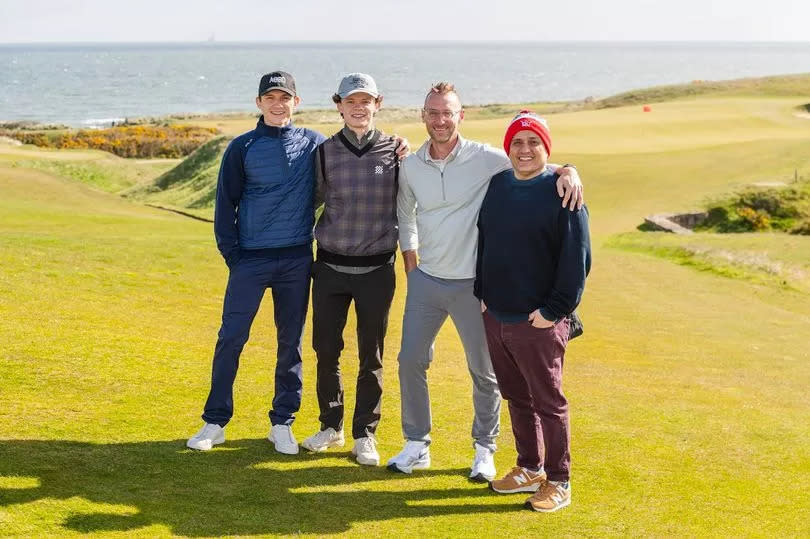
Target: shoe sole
480	478
275	446
418	465
213	443
528	505
322	448
531	488
285	452
366	462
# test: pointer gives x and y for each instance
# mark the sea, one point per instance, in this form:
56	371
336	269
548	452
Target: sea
92	85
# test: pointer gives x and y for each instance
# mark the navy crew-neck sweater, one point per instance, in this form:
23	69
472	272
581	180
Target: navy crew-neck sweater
532	252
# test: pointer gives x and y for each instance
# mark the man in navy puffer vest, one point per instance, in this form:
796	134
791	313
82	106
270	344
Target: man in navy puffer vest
263	222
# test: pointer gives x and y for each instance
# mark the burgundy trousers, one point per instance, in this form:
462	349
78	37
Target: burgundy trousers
528	363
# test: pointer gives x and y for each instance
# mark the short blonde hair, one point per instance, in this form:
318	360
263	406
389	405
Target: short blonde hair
442	88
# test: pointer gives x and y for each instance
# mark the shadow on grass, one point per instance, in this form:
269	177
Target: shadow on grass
243	487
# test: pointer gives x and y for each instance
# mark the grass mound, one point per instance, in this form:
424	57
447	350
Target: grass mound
756	210
191	184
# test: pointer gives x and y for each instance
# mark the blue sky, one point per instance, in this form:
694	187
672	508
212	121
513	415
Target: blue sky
384	20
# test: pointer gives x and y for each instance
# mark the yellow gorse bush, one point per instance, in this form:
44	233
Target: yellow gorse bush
142	141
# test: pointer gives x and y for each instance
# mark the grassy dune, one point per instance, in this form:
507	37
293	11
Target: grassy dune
688	390
190	186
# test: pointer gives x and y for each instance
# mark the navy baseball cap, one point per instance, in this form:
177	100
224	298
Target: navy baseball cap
277	80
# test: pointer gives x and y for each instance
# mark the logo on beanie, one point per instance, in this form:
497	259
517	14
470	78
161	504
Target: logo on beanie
525	123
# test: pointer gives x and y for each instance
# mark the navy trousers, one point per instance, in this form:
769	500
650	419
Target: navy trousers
288	278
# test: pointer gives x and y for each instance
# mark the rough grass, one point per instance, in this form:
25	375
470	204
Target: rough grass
687	392
775	259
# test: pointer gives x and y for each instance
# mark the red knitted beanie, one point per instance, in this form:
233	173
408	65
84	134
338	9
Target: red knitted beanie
528	120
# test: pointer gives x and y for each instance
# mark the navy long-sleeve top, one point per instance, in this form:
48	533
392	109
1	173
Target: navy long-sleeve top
532	253
266	190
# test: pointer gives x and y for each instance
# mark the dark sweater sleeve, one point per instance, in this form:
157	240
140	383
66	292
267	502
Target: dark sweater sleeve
573	265
230	184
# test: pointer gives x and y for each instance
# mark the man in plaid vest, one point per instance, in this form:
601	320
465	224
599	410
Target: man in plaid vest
356	180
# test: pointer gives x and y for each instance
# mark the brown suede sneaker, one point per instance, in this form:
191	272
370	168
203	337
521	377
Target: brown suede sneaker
518	480
551	496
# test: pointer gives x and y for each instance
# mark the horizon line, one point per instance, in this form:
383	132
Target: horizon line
405	41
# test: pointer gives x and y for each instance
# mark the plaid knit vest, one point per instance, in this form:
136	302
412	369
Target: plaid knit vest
358	226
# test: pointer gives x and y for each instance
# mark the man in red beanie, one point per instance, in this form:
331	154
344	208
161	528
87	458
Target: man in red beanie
533	257
441	187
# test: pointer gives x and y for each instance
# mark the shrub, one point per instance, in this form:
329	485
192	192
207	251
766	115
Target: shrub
755	219
141	141
762	209
776	203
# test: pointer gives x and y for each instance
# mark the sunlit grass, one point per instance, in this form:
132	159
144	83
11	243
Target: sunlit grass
687	391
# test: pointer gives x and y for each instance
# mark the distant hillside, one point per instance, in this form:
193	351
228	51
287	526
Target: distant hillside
781	85
192	184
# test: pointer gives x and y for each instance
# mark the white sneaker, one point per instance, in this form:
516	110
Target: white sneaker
483	466
207	437
324	439
283	439
365	449
414	456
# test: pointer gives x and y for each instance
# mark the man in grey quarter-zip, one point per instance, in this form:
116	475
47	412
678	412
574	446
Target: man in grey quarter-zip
441	188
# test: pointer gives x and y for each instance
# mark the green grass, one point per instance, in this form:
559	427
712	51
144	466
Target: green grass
97	169
687	392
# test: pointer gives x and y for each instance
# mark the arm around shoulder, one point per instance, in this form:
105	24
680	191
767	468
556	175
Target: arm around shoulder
569	187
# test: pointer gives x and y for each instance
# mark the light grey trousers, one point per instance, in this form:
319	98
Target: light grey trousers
428	303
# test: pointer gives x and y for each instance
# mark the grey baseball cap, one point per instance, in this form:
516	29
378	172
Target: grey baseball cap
357	82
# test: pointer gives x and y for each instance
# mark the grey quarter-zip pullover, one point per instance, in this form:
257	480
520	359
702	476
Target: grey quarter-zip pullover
438	204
